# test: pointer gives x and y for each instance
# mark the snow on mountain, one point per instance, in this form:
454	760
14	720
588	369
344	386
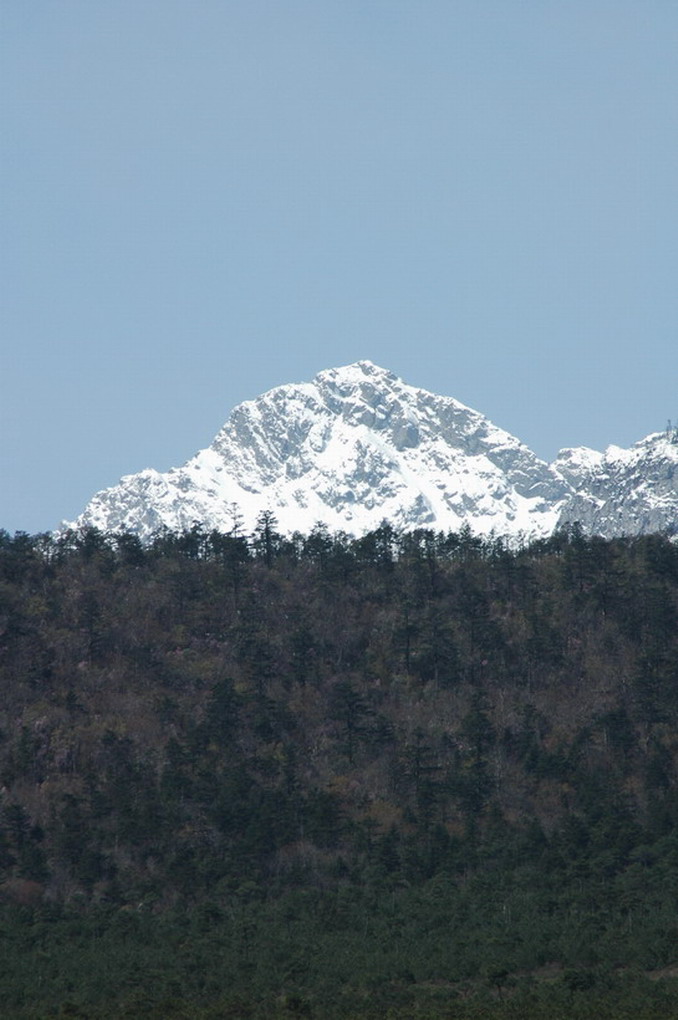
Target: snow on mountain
351	448
356	446
623	492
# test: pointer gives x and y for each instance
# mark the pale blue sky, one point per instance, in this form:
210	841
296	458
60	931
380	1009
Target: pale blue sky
201	199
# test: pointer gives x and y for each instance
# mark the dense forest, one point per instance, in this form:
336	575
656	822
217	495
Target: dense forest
406	775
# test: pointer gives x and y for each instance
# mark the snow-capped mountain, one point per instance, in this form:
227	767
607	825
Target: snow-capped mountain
352	447
623	492
356	445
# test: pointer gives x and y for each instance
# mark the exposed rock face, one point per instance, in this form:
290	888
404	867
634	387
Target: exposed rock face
357	445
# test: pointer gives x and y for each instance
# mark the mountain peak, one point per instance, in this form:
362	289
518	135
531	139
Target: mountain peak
352	447
355	374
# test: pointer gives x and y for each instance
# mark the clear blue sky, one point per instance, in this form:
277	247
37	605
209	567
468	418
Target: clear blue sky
201	199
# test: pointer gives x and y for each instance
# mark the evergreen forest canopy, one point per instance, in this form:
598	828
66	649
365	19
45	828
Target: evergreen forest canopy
402	775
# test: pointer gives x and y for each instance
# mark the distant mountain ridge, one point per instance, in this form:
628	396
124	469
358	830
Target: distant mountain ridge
356	445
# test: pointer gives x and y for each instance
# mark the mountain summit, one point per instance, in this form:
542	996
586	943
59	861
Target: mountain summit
355	446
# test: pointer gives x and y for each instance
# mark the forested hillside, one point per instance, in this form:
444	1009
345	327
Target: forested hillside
405	775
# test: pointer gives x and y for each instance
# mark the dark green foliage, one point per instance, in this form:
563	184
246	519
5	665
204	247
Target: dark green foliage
408	775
